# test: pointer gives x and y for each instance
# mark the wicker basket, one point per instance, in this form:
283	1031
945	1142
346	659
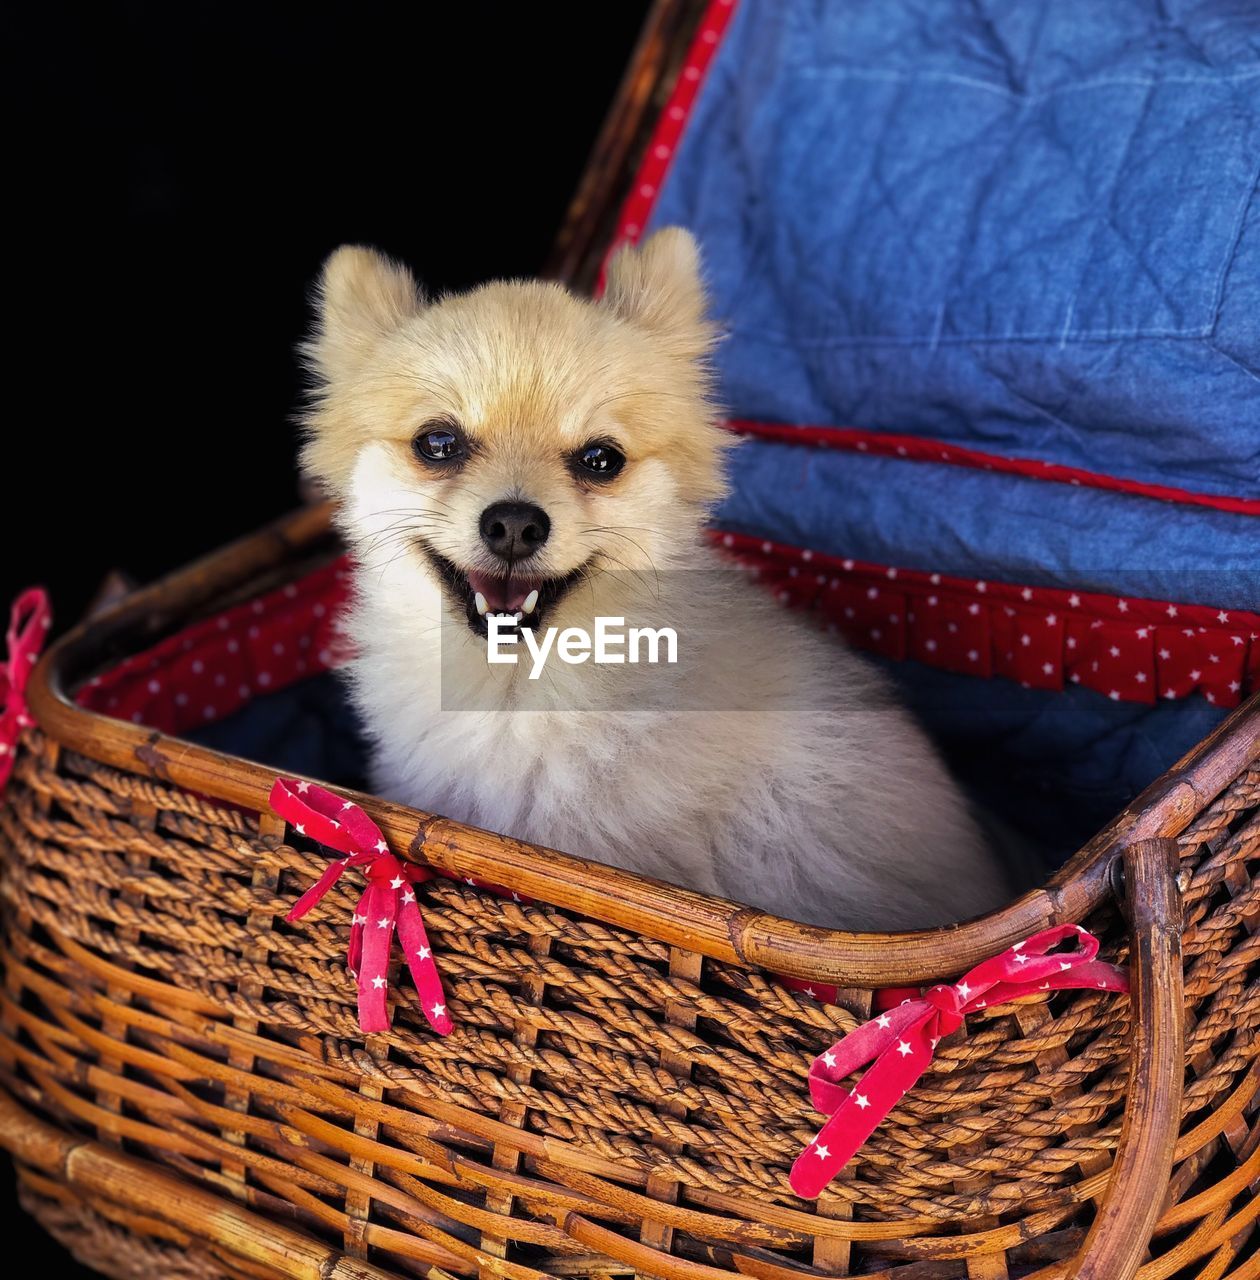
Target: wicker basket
187	1092
625	1087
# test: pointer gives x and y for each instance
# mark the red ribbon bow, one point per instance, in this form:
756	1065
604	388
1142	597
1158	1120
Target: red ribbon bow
389	900
899	1043
29	621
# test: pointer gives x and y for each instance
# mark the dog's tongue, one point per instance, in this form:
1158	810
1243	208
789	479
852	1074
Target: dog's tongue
503	595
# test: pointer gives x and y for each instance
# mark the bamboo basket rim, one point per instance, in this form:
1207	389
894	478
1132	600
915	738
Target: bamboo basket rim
720	929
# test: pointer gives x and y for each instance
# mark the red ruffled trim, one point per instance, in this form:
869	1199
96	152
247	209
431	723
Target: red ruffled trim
1129	650
215	667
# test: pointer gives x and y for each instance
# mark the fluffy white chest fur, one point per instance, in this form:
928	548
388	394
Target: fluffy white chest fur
521	440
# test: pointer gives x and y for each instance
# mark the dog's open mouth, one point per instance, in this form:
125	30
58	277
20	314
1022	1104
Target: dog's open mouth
516	598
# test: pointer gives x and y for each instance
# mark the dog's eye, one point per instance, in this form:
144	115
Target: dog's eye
438	442
599	461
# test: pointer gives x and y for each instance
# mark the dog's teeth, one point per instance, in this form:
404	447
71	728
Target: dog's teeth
518	616
529	602
480	601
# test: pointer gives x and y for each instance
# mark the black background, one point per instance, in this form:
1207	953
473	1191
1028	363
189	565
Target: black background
177	174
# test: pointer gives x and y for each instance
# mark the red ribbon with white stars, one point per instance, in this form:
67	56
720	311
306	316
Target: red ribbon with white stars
388	902
29	623
899	1043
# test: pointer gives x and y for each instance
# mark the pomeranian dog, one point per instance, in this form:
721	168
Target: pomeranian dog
524	456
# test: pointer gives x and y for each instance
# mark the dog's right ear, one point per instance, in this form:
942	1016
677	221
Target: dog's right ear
362	297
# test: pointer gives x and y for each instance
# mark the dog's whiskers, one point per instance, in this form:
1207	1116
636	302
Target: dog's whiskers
592	530
408	529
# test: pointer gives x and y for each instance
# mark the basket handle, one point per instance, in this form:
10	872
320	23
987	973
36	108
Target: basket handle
1117	1241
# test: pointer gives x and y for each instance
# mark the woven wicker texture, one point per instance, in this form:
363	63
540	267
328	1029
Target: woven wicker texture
600	1088
119	1244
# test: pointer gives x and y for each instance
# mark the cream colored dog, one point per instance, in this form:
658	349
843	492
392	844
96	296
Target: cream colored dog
523	452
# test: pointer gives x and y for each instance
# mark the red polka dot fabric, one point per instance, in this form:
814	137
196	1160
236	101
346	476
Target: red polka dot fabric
213	668
1042	638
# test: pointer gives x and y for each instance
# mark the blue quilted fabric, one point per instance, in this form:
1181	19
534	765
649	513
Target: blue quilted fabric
1028	227
980	524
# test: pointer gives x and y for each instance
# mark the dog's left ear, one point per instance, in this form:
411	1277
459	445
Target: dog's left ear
657	285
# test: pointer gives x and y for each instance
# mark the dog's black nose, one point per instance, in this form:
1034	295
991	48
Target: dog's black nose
514	530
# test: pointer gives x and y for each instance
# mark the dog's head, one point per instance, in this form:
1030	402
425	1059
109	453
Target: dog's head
510	442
